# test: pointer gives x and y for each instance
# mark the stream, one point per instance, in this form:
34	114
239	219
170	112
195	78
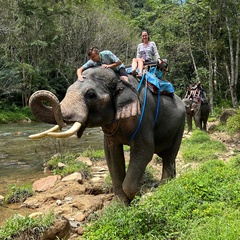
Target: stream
22	159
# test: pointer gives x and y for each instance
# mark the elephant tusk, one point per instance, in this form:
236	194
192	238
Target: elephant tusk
44	134
76	126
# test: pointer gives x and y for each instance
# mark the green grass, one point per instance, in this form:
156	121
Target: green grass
17	225
71	165
18	194
199	147
201	204
195	204
93	154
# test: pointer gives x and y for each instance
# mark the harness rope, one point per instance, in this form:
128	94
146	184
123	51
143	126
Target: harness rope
144	105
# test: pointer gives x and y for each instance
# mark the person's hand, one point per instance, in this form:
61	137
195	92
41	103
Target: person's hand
81	78
159	61
105	66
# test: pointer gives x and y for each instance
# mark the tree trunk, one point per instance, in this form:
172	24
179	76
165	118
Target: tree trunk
233	73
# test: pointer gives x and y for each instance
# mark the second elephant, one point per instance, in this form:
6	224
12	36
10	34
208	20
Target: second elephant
199	111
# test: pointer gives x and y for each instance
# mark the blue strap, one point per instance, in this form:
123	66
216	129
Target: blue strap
144	105
143	108
158	107
140	84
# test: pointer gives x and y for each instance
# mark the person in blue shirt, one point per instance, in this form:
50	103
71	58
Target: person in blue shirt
106	59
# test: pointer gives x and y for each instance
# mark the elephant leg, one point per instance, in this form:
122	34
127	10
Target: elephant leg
140	155
205	115
116	165
189	122
198	122
169	156
204	126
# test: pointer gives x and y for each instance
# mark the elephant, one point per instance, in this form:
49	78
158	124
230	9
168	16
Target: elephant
197	109
126	115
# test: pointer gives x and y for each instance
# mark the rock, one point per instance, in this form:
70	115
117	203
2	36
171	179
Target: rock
80	217
35	214
61	165
1	198
226	114
60	230
68	199
89	202
31	203
73	177
96	179
74	223
80	230
85	160
212	128
59	202
98	169
44	184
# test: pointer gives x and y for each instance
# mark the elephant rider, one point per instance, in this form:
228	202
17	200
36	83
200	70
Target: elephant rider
196	91
106	59
145	52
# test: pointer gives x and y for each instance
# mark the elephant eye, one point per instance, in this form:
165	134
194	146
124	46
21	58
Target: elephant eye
91	95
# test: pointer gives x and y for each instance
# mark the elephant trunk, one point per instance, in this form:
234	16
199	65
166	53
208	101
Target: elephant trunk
49	114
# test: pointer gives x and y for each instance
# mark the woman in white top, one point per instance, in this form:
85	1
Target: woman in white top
145	52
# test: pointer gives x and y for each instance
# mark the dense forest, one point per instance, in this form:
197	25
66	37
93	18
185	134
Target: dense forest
42	43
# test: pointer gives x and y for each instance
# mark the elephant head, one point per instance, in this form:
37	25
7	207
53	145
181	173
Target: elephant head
102	99
99	100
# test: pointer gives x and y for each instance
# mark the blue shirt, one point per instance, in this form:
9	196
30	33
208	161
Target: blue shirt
106	57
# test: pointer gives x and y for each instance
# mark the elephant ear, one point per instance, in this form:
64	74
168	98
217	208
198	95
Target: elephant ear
126	100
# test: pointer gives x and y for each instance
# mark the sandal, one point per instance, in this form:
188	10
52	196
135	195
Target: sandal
134	73
139	75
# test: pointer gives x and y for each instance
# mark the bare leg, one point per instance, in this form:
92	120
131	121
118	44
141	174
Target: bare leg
140	65
134	64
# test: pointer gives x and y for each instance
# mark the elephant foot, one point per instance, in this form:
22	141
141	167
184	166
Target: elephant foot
122	200
164	181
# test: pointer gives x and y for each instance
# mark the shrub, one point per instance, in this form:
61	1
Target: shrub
18	225
233	123
93	154
19	194
71	165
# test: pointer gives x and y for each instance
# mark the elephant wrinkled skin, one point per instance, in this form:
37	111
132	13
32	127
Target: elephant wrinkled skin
102	99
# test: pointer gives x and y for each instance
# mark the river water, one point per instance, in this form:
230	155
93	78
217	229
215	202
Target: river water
22	159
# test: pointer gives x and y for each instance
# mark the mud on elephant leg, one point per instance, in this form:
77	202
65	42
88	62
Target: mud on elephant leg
169	168
139	159
116	165
169	157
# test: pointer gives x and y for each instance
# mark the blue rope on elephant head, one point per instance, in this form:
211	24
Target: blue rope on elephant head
144	105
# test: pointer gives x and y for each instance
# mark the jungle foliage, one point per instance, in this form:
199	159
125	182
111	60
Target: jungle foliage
44	42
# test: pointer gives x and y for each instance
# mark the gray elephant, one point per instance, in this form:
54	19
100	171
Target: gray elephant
197	109
127	117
